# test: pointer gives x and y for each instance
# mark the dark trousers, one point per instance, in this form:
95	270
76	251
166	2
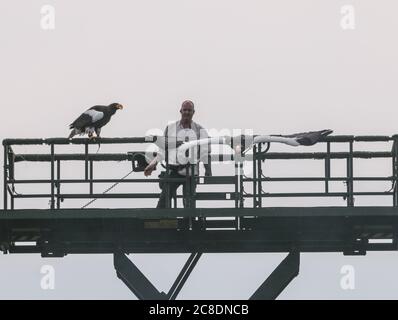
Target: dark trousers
173	186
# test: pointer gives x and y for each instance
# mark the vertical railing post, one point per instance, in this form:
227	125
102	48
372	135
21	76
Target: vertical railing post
254	177
91	177
260	177
52	203
193	186
167	176
5	173
395	172
11	175
86	161
58	184
327	167
350	176
241	186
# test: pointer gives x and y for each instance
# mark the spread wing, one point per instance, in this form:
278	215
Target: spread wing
311	137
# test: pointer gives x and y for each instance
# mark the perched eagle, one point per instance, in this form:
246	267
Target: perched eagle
93	120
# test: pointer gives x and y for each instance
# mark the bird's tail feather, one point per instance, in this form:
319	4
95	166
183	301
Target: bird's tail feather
72	134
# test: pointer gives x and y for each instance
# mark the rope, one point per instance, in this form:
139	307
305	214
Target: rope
107	190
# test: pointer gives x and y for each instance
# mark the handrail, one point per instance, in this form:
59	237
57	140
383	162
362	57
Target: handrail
239	179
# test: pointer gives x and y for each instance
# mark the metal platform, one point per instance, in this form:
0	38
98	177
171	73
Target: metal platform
67	231
248	225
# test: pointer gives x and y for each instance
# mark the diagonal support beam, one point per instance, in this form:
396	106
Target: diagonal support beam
134	279
280	278
183	276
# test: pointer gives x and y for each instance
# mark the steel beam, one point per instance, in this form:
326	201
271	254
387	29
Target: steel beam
134	279
183	276
280	278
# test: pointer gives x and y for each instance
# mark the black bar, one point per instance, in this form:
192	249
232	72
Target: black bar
97	180
372	138
375	212
9	142
203	195
260	176
74	157
280	278
60	141
52	178
11	171
167	185
241	187
269	155
193	186
293	179
58	184
323	155
350	175
320	194
5	184
327	167
91	177
94	195
12	199
236	186
86	161
183	275
55	141
254	177
134	279
395	172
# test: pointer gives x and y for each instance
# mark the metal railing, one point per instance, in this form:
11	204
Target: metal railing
239	180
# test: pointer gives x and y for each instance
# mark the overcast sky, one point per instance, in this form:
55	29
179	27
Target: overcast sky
275	66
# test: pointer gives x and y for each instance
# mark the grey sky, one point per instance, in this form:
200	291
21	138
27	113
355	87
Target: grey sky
279	66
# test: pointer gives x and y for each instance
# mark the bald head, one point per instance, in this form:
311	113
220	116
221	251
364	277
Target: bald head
187	111
187	103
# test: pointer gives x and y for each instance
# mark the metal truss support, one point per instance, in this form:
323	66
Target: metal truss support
183	276
134	279
280	278
143	289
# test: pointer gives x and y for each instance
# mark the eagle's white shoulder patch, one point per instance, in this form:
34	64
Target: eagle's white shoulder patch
95	115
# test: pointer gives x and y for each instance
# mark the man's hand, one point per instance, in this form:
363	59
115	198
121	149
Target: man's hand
208	169
148	170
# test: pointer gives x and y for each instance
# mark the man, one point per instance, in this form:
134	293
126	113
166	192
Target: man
182	130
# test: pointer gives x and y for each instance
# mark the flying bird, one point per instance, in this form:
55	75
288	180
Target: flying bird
93	120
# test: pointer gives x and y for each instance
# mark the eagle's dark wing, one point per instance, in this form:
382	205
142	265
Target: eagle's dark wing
88	118
310	138
83	121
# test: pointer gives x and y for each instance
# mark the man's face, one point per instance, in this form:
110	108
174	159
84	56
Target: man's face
187	111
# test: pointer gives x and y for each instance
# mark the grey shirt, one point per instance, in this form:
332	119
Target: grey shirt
175	133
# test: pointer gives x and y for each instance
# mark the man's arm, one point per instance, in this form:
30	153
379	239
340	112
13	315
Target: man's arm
152	165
